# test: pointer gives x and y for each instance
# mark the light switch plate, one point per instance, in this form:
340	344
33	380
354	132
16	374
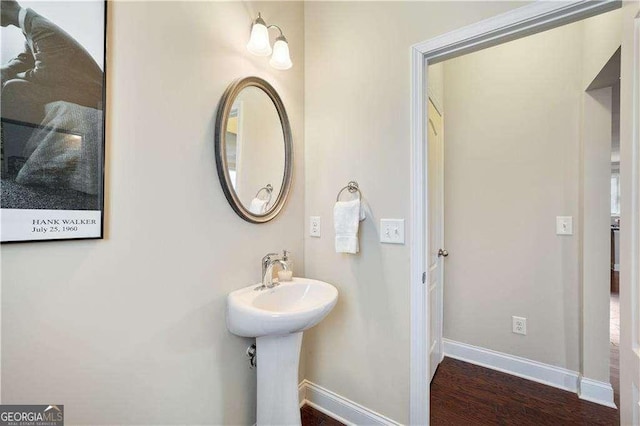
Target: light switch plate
314	226
392	231
564	225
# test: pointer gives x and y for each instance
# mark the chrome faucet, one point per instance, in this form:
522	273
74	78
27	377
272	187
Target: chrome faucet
267	269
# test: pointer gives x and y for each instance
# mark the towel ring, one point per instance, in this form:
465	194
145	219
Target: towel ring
352	187
269	190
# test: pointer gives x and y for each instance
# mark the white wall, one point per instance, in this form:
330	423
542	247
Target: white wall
131	329
357	127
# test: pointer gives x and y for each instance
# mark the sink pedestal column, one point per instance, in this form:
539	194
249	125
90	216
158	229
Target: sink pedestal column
278	359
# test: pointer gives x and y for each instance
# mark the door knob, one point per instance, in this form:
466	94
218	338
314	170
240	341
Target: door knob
443	253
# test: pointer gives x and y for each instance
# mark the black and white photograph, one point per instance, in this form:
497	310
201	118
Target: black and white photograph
52	119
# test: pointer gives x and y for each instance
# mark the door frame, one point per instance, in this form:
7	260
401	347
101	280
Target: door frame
521	22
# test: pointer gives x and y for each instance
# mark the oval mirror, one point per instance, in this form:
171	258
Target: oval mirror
253	149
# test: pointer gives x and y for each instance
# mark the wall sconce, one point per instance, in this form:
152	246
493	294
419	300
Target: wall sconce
260	45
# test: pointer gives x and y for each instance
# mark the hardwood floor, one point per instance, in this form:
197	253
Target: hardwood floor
313	417
466	394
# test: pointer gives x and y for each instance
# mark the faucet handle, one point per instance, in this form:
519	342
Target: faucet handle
267	257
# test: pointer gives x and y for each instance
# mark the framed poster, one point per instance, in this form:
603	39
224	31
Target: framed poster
52	114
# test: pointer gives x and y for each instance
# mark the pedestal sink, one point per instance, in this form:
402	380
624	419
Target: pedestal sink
276	317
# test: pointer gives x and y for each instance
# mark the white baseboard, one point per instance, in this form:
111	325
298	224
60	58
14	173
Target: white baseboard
351	413
302	393
595	391
339	407
546	374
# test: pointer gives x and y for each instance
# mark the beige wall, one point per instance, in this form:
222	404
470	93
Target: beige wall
596	232
357	127
512	155
109	328
436	85
131	329
262	147
602	37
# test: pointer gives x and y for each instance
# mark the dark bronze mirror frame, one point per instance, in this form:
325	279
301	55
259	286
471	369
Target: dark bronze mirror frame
222	116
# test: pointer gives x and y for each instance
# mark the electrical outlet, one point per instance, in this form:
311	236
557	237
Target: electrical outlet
314	226
519	325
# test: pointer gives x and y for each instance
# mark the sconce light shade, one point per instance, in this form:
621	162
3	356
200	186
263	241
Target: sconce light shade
259	42
280	59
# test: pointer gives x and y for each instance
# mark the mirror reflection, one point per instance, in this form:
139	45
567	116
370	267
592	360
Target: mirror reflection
255	150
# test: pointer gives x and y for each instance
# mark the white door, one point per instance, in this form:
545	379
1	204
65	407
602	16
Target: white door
435	251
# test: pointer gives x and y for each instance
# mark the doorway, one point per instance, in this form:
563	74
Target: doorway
614	296
605	88
527	206
509	26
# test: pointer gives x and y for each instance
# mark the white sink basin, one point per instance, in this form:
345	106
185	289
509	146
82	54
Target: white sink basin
290	307
276	317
